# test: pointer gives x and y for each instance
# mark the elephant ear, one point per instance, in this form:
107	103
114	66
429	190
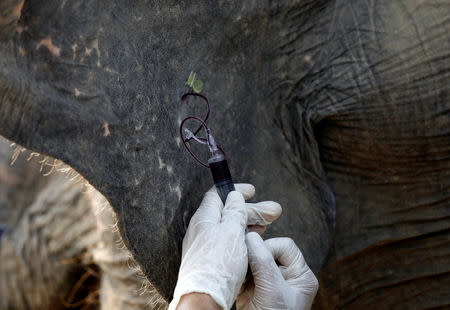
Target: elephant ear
9	16
97	86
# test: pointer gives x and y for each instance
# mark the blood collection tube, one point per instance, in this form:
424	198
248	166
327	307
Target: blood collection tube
221	175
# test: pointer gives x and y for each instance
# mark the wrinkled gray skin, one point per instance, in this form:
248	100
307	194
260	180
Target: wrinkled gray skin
302	91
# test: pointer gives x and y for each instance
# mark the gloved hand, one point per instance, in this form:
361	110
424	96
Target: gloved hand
292	285
214	255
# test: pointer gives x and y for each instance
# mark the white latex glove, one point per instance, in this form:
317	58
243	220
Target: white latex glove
292	285
214	255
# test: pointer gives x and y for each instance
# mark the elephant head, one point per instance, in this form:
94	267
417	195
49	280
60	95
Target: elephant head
294	86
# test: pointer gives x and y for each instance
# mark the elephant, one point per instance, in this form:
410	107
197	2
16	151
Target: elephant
338	110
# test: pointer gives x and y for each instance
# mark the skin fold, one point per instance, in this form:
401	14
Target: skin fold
338	110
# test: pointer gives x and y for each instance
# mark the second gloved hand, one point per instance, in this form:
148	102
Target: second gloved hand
291	286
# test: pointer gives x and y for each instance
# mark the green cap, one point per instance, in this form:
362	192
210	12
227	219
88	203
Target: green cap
193	83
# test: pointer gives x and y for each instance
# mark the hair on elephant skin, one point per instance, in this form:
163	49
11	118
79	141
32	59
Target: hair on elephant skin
60	248
339	110
47	233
